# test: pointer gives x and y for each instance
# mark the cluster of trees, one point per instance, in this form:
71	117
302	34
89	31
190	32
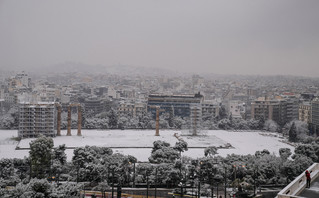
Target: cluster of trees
100	167
9	120
113	120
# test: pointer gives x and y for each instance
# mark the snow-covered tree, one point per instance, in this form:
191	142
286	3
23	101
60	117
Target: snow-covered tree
59	161
181	146
224	124
163	153
253	124
10	120
210	151
284	153
293	133
113	119
271	126
41	156
301	130
123	122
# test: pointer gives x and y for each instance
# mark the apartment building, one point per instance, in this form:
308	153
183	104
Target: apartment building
268	110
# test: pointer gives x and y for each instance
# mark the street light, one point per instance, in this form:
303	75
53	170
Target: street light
199	177
133	185
236	167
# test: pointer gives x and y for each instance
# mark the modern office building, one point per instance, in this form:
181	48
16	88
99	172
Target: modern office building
36	119
179	104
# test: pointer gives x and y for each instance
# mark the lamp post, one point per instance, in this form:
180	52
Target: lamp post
236	167
199	177
225	182
112	182
146	184
134	175
155	182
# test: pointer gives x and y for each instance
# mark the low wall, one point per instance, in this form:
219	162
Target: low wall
296	186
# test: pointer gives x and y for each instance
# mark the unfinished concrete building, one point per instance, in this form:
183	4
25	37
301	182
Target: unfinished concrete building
36	119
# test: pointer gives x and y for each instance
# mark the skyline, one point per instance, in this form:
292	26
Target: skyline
238	37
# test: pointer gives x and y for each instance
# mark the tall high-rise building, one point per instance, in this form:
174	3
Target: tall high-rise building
36	119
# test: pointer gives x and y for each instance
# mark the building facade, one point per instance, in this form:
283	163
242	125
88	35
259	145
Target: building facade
268	110
179	104
305	112
315	115
36	119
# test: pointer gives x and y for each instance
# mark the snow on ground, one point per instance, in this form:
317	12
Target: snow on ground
243	142
8	145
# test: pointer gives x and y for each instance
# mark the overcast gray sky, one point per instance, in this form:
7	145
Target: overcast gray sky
224	37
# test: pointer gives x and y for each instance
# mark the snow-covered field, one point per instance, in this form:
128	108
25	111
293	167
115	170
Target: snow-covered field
122	140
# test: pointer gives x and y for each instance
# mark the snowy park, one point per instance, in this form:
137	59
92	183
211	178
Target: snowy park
139	143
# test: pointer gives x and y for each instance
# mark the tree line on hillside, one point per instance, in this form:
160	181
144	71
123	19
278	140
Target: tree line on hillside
101	169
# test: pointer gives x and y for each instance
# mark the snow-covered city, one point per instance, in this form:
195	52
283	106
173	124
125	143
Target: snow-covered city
159	99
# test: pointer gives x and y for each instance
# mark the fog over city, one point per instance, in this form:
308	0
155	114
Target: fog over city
267	37
166	98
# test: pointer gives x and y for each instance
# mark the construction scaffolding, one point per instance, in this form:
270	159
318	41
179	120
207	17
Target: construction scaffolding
195	119
36	119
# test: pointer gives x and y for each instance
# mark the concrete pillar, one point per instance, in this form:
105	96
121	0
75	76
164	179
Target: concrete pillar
79	120
69	121
59	121
157	121
195	121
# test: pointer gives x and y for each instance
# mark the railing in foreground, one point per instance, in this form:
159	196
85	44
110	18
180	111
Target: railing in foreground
293	189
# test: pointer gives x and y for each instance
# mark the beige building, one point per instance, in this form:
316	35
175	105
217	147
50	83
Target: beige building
267	110
131	109
305	112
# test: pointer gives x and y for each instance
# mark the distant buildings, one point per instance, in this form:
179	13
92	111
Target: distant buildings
279	110
131	108
36	119
236	109
267	110
315	115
